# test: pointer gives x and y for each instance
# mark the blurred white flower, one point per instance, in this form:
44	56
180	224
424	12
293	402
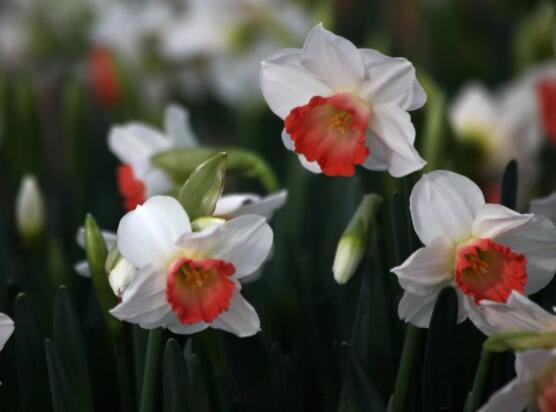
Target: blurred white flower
534	387
135	143
344	106
6	329
188	281
29	209
485	251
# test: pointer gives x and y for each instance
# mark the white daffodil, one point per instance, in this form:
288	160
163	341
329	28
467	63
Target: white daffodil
517	314
236	204
344	106
6	329
485	251
135	143
188	281
534	387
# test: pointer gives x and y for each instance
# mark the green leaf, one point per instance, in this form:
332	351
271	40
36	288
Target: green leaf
31	361
434	132
197	380
509	185
204	187
517	341
67	338
63	399
439	353
180	163
175	379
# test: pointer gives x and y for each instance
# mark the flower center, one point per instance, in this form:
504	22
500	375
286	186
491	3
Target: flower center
546	92
486	270
331	131
199	290
132	189
546	390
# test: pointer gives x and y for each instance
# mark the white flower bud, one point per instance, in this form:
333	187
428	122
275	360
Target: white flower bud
348	255
29	209
121	276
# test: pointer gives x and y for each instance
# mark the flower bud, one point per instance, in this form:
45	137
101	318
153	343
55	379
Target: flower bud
29	209
356	238
121	276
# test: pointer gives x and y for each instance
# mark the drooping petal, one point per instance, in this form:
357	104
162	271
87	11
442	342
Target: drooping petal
244	241
148	235
545	206
416	309
393	127
178	128
444	203
536	239
144	300
391	80
428	269
285	84
333	58
517	314
241	319
6	329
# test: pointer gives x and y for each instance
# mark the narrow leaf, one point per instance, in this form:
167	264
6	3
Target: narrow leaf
63	399
197	381
509	185
176	380
204	187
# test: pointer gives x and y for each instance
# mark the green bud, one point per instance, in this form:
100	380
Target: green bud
112	259
95	247
120	276
356	239
29	209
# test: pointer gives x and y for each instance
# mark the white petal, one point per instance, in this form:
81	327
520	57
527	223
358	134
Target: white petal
109	238
514	397
536	239
121	276
529	364
287	140
265	207
82	268
156	182
144	300
393	127
286	85
428	269
244	241
493	220
180	328
241	319
417	309
517	314
148	234
135	143
391	80
444	203
312	167
227	205
6	329
333	59
178	128
378	156
545	206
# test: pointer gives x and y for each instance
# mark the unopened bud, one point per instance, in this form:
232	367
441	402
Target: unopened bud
29	209
121	276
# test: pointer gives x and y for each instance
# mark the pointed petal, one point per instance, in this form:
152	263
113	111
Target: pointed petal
428	269
148	234
227	205
333	59
265	207
244	241
393	127
241	319
178	128
285	84
444	203
6	329
391	80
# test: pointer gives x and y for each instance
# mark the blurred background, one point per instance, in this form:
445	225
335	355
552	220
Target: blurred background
72	69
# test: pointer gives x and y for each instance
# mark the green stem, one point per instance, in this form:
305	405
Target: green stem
151	370
409	355
479	382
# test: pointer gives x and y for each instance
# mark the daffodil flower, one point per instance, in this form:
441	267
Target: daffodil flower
187	281
485	251
344	106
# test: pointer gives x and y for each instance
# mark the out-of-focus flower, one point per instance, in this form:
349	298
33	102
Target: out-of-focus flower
14	42
236	204
228	39
188	281
344	106
135	143
485	251
6	329
103	77
502	126
534	387
29	209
